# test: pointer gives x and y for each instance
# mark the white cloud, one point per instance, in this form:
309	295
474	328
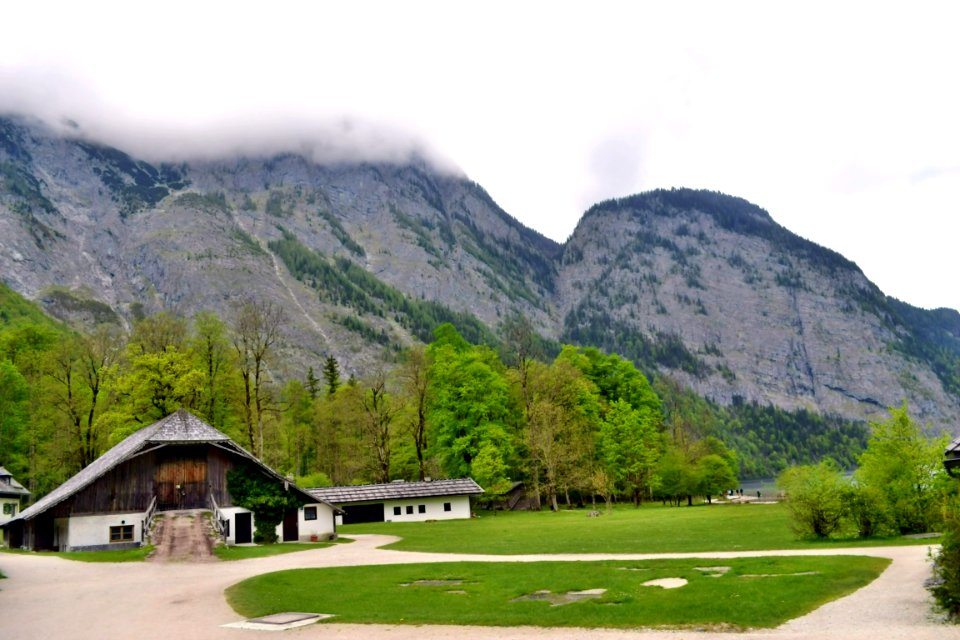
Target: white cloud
823	114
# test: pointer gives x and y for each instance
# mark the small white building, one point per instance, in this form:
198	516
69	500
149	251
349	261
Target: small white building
401	501
11	492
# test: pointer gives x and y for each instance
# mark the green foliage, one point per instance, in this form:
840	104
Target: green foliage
344	283
815	497
470	409
134	184
769	439
945	585
907	468
14	442
71	302
584	325
209	202
251	489
341	234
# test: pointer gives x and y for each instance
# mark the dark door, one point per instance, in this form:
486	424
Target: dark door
357	513
244	527
291	527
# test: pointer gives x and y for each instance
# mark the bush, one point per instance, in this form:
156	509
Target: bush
867	507
945	585
815	497
265	496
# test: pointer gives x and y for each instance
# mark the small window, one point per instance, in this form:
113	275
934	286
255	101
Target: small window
397	511
123	533
421	508
309	513
447	506
9	509
409	509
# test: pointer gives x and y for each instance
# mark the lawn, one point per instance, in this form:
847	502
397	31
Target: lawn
649	529
224	552
728	595
118	555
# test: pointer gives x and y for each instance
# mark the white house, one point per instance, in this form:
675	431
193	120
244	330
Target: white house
11	492
179	462
401	501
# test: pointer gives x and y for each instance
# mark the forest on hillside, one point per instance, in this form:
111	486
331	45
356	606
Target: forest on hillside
573	423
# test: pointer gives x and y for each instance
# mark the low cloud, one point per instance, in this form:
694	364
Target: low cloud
65	105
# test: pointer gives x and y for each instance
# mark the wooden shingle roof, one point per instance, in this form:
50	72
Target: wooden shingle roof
9	486
397	491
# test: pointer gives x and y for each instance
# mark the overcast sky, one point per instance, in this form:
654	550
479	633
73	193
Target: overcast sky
840	119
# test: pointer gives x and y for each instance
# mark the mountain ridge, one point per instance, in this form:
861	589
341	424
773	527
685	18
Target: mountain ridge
697	285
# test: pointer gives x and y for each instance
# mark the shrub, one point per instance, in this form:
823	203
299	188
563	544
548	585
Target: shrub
945	585
265	496
815	497
867	507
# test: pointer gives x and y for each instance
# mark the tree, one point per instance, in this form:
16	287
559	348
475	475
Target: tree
339	438
815	497
77	371
331	374
296	425
470	405
14	393
907	468
256	329
414	375
212	349
629	448
563	414
313	384
379	409
714	475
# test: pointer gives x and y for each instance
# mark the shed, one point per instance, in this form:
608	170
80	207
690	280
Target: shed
11	493
951	458
179	462
402	501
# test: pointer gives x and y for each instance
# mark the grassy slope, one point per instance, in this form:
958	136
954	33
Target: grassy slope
754	592
650	529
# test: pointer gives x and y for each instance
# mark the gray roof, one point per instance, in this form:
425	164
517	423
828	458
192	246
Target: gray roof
397	491
178	428
9	486
953	447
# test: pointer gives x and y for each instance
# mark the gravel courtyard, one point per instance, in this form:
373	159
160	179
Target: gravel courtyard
48	597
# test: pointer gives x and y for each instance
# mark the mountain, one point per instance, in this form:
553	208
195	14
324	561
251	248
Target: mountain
366	258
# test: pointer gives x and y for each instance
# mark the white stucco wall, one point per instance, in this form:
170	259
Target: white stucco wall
323	527
459	508
78	532
7	517
230	514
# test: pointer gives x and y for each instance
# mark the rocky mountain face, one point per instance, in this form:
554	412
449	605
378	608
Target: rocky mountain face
366	258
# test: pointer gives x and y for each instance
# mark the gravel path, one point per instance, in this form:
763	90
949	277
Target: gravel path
48	597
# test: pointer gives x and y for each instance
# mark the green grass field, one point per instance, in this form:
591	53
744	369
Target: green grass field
119	555
728	595
261	551
649	529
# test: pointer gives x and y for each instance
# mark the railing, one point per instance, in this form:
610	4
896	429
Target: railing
148	519
220	522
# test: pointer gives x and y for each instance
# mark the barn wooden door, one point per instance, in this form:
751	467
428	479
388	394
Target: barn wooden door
181	481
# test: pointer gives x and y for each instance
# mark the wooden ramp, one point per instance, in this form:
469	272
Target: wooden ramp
182	536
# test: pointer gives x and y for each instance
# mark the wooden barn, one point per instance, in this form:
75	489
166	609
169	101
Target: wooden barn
177	463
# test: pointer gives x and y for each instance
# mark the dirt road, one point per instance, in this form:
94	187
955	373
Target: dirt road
48	597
